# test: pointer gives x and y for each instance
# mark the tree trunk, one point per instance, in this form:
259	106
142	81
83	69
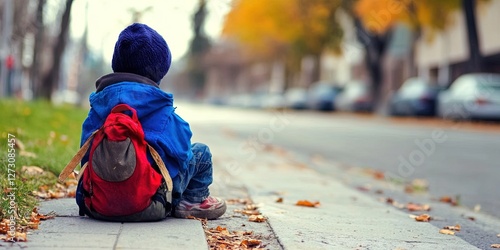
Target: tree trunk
375	46
475	59
37	50
52	78
200	44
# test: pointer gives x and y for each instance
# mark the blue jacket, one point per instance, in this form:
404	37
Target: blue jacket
166	131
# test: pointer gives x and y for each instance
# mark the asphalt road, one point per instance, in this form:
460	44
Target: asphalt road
454	158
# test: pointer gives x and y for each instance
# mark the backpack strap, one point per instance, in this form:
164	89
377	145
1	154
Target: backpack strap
76	159
164	172
79	175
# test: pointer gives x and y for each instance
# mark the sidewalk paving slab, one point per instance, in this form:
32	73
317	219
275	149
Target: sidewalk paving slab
70	231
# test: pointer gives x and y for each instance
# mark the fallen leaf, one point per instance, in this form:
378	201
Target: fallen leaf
226	233
453	228
423	218
239	201
32	170
250	243
20	237
57	194
256	218
495	245
221	238
378	175
33	225
445	199
448	199
19	145
42	195
247	212
417	207
4	226
251	207
202	220
15	237
306	203
279	200
27	154
394	203
70	182
71	192
446	231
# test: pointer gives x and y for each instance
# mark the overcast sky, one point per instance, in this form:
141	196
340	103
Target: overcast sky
171	18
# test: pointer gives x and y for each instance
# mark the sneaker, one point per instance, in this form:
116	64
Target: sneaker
211	208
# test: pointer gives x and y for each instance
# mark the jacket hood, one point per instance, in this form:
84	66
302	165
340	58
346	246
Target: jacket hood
137	91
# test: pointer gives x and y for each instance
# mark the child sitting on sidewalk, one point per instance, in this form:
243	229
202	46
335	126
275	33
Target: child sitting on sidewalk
141	59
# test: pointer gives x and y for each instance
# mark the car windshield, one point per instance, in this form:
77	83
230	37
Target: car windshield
489	82
490	88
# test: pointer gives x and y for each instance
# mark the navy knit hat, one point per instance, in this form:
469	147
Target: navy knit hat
141	50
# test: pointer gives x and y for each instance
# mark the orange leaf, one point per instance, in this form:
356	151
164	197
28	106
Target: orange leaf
257	218
220	229
279	200
306	203
416	207
378	175
446	231
56	195
423	218
495	245
70	182
250	243
448	199
453	228
247	212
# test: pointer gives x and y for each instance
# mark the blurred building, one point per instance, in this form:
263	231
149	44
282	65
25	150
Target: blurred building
444	57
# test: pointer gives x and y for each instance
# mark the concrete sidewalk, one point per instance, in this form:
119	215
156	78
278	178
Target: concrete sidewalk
70	231
346	218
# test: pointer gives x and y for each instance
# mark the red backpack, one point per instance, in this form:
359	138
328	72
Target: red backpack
118	181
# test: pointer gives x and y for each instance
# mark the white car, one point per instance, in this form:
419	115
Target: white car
471	96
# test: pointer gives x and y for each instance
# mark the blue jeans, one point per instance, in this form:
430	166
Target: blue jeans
192	184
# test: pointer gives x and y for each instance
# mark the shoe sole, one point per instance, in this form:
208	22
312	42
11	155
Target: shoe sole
204	214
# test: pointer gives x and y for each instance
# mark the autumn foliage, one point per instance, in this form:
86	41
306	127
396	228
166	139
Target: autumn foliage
272	29
378	16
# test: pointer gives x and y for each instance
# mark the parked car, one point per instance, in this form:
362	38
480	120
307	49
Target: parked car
471	96
356	97
296	98
321	96
416	97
